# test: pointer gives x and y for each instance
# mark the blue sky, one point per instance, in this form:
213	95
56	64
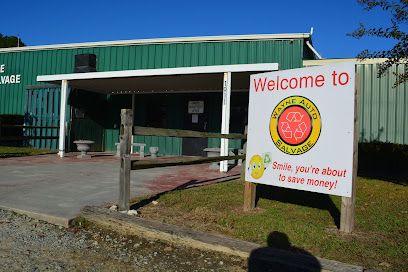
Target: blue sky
51	21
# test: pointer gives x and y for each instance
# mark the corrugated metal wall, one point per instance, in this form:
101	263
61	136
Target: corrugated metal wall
383	113
42	111
167	145
87	129
288	53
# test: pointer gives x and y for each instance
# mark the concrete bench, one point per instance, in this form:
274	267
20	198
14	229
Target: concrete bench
216	152
240	152
141	147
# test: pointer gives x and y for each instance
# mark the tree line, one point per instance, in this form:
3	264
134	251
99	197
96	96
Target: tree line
10	41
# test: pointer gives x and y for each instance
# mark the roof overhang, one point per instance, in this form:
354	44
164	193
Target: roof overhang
181	79
228	38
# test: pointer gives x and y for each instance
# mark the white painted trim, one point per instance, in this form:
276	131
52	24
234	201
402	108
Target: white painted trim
173	91
63	102
225	118
133	114
228	38
163	72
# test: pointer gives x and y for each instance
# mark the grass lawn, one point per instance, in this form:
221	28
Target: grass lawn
380	239
12	151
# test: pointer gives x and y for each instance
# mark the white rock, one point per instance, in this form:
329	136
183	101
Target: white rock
113	208
154	202
132	212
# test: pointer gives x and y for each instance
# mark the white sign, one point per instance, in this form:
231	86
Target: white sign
195	106
301	129
8	79
194	118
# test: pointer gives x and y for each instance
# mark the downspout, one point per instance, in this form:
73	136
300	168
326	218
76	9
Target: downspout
313	50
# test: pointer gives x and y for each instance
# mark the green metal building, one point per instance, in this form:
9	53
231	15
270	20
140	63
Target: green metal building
383	111
159	79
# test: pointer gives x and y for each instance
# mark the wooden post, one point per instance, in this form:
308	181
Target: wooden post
124	183
348	203
249	195
249	187
126	127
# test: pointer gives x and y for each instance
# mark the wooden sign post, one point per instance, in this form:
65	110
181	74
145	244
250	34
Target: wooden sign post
348	203
249	187
249	196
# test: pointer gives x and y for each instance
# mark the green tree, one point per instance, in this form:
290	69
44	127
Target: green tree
399	52
10	41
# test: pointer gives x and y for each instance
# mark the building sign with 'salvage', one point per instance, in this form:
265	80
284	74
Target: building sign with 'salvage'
8	79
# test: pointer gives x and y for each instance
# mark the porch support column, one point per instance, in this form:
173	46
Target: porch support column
225	118
133	114
63	106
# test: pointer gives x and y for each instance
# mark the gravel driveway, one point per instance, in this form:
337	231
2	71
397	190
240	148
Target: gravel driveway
30	245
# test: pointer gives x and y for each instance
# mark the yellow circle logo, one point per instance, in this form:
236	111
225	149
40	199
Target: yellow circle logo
257	166
295	125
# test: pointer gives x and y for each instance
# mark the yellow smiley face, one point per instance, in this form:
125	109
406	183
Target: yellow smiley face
257	166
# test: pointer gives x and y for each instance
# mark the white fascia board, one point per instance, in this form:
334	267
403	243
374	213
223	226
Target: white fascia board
258	67
253	37
174	91
329	61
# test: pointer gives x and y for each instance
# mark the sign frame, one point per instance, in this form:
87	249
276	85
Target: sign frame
347	203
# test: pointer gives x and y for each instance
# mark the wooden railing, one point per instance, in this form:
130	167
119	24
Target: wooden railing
26	137
27	127
127	164
148	131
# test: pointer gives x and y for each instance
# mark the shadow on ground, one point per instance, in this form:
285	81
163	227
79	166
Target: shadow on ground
280	255
189	184
384	161
298	197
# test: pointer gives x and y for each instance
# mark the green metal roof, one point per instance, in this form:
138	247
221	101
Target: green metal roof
287	50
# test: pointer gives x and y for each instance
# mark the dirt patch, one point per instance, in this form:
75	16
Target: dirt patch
31	245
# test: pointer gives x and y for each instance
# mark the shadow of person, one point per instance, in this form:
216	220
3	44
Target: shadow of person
280	255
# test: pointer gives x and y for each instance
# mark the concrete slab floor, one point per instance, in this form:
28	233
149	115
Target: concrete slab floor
56	189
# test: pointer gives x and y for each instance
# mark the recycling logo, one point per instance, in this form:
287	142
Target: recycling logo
295	125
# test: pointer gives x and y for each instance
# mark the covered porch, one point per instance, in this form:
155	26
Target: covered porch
203	98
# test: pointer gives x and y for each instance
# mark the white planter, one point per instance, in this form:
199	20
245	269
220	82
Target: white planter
153	151
83	146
